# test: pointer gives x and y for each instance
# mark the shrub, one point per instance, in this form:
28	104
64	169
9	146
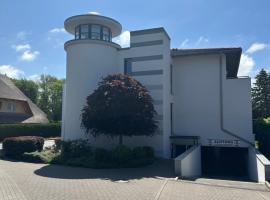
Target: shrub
143	152
76	148
262	133
122	154
58	143
16	146
43	130
102	155
45	156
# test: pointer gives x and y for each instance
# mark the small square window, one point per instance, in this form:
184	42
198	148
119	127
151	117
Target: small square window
11	107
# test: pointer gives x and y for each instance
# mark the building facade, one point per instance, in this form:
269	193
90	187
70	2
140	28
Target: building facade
15	107
197	94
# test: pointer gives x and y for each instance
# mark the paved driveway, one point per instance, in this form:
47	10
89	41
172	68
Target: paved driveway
25	181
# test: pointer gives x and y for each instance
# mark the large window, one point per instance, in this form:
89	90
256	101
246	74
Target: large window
93	31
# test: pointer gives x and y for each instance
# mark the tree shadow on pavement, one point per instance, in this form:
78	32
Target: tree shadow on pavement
159	169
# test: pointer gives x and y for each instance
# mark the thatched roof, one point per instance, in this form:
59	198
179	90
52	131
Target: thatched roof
9	91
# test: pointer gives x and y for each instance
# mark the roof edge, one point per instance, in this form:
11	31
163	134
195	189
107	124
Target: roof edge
150	31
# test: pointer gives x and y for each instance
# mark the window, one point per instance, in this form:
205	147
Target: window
106	34
95	32
11	107
0	105
77	32
84	32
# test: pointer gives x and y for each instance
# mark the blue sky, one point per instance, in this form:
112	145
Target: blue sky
32	35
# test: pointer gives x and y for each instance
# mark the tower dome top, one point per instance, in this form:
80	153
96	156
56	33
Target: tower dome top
72	22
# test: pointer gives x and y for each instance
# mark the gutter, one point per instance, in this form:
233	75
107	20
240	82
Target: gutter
221	108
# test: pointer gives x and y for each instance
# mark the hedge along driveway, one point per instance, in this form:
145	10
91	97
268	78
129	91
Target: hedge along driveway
43	130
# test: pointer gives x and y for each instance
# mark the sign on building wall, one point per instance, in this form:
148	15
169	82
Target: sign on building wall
223	142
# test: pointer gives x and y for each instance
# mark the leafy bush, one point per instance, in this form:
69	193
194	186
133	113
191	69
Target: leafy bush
43	130
76	148
122	154
58	143
102	155
45	156
143	152
16	146
261	128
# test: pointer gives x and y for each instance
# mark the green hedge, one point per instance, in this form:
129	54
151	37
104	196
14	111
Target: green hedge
43	130
16	146
262	134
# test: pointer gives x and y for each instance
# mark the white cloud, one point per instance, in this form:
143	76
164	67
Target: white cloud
34	77
11	71
29	55
26	53
201	40
22	35
57	30
247	64
94	13
256	47
184	43
21	47
123	40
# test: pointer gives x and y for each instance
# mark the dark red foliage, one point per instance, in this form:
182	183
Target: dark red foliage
119	106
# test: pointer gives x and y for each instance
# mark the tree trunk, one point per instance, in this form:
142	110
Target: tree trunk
120	139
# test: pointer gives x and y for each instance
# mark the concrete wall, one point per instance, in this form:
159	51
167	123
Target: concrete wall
156	56
259	166
87	62
188	164
197	100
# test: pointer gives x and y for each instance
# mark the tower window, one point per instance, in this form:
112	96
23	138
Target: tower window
93	31
77	32
84	31
106	34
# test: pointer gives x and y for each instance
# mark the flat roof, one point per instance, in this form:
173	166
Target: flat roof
233	55
71	22
150	31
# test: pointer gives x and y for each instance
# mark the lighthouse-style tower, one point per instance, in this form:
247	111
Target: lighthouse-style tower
90	56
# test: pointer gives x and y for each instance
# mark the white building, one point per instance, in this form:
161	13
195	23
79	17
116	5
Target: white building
199	99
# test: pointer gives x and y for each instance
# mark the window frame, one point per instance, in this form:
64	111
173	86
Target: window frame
99	35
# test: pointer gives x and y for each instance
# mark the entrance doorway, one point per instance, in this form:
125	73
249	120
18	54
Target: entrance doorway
224	161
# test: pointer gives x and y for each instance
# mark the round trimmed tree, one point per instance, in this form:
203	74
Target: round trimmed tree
120	106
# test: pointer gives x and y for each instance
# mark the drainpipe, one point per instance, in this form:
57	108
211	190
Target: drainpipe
221	107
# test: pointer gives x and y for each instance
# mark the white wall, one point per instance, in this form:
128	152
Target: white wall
160	142
188	164
258	166
196	88
87	62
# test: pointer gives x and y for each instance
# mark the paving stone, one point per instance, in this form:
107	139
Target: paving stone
26	181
